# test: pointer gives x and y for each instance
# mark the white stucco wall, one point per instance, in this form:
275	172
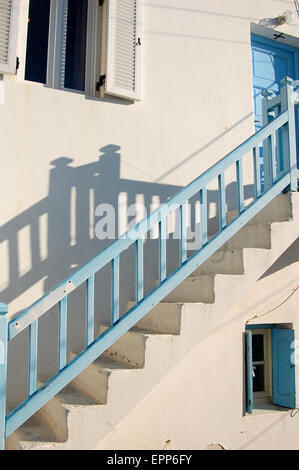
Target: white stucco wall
197	105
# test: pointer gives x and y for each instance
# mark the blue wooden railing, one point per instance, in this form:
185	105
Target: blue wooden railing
280	173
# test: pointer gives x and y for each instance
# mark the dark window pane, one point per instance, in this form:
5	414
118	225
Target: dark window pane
259	378
76	45
257	348
37	41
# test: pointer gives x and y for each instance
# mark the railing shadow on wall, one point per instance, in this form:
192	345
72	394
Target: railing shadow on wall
67	234
66	240
74	192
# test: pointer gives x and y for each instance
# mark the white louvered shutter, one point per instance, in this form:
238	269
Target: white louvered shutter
123	44
9	10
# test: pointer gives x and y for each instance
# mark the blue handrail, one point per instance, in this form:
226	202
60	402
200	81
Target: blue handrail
283	148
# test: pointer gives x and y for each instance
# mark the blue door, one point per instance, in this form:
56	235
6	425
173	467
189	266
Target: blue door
271	62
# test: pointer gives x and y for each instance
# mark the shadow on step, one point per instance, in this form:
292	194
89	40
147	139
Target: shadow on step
289	256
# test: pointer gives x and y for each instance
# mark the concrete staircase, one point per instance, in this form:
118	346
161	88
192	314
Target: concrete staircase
86	411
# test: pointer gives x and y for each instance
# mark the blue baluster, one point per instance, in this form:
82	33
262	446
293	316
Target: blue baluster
89	327
62	334
32	358
273	157
221	201
162	250
267	157
115	290
183	243
257	172
240	186
139	270
3	371
203	216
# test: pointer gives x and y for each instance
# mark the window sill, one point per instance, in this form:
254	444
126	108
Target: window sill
261	409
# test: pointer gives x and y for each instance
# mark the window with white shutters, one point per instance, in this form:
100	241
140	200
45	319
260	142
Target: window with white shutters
9	10
123	48
88	46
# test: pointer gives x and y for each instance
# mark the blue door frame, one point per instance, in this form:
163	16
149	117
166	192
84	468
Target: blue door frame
271	62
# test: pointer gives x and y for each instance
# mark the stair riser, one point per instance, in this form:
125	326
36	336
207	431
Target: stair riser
251	236
56	418
222	262
255	261
279	210
94	383
129	349
196	289
165	318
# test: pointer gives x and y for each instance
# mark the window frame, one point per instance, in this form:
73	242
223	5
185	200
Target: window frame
275	397
98	50
57	47
267	340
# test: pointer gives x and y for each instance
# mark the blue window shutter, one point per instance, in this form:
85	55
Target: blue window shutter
249	377
284	388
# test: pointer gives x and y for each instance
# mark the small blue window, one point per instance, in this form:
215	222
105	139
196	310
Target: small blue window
270	372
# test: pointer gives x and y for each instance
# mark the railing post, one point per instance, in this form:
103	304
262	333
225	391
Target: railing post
3	371
268	174
289	132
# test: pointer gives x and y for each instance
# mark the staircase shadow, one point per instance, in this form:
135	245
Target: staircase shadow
61	237
289	256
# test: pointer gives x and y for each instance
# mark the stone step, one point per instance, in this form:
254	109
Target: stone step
251	236
35	433
130	349
164	318
49	425
94	379
222	262
195	290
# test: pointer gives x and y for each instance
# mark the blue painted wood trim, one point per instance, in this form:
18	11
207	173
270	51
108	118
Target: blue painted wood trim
249	376
263	326
32	358
162	250
24	411
257	173
52	298
89	327
115	290
139	270
283	368
62	333
221	201
240	185
289	131
273	156
268	177
203	196
257	40
183	240
3	371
